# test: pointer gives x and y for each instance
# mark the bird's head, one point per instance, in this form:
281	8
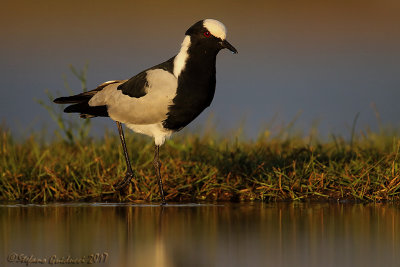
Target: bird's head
211	34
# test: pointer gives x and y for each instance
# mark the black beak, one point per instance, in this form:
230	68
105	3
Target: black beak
226	44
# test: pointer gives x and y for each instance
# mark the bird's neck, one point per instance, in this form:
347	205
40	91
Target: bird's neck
194	67
181	57
197	58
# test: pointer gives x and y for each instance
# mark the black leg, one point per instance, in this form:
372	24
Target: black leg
129	173
157	165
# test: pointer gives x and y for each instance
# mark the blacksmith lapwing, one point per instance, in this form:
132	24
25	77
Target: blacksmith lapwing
163	99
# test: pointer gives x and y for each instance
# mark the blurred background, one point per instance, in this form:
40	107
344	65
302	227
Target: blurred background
318	62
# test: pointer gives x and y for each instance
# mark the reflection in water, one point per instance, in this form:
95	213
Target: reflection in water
279	234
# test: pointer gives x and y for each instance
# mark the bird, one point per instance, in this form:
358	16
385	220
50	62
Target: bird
160	100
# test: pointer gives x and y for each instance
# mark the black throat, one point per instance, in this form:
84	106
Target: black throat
196	86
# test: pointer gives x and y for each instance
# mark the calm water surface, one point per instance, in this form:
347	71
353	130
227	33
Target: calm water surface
279	234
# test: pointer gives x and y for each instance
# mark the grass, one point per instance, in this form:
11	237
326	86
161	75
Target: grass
197	167
69	127
203	167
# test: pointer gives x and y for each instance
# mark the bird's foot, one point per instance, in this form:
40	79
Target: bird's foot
125	182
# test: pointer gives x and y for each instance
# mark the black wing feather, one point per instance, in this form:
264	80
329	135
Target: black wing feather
136	86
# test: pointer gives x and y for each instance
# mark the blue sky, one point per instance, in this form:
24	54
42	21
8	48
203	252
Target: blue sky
323	61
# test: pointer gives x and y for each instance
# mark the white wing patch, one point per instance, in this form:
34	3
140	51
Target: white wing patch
215	27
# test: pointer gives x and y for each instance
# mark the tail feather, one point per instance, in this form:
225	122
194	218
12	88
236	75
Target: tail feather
72	99
81	103
87	111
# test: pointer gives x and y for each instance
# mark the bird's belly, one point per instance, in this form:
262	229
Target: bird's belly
156	130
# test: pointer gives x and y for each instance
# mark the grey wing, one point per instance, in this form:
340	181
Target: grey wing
158	92
137	85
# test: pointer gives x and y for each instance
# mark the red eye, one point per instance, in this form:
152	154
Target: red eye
207	34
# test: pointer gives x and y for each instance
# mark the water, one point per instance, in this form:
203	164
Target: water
278	234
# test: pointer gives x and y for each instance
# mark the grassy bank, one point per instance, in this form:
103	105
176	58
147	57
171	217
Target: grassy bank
206	167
